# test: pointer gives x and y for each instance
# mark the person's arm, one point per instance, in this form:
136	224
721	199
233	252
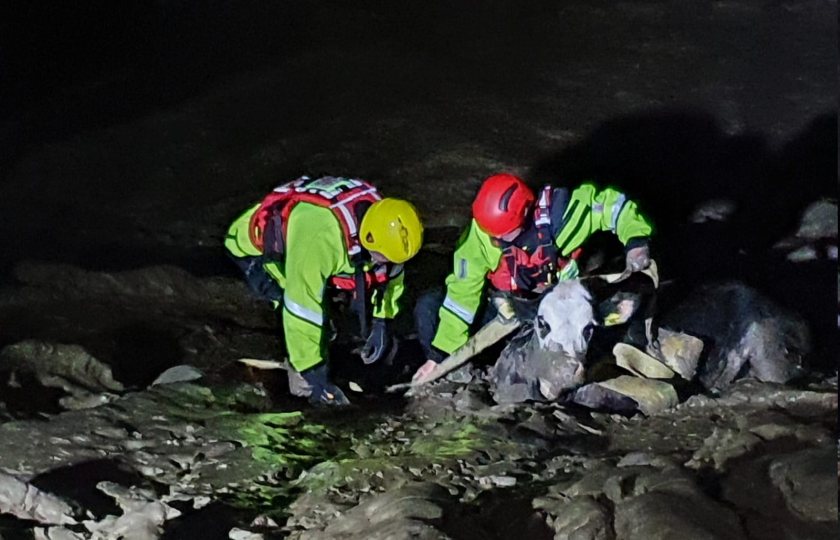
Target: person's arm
389	307
474	257
238	240
590	210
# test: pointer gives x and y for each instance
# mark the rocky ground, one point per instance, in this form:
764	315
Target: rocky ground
116	187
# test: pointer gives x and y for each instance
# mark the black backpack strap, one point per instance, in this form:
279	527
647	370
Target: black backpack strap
559	203
549	212
359	302
274	245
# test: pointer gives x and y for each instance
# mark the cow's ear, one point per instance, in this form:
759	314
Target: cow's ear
617	310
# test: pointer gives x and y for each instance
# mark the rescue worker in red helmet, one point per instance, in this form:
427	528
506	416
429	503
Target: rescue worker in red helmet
310	235
521	242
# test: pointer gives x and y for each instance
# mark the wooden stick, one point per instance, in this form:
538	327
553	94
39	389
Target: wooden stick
488	335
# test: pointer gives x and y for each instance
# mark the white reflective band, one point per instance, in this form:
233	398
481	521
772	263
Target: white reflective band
348	218
359	194
616	210
543	216
458	310
302	312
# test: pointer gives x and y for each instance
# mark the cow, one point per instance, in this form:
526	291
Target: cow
745	334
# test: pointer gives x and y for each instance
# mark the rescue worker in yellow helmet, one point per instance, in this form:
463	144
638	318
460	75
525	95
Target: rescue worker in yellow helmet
312	234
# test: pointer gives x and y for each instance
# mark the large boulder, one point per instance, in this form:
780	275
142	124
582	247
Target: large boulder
526	371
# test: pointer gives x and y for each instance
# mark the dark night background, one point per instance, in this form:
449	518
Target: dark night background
132	132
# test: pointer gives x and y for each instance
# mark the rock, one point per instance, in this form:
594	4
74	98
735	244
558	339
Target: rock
679	351
628	394
527	371
405	513
713	210
241	534
817	230
176	374
637	459
56	533
664	516
69	362
580	519
790	495
819	220
143	515
85	400
721	446
25	501
808	482
637	502
497	481
462	375
640	363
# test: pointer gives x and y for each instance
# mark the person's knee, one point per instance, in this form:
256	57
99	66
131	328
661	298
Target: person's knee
426	316
428	304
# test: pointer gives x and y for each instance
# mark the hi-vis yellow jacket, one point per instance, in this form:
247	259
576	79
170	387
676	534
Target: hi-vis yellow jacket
315	251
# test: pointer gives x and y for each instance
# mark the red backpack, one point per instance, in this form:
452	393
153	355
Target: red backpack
347	198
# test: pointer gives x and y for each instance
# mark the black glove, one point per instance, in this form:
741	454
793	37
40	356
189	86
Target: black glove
323	391
379	343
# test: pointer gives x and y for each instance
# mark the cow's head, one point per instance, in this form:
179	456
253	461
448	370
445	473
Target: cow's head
565	319
568	313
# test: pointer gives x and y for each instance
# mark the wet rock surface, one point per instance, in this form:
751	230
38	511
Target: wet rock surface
157	457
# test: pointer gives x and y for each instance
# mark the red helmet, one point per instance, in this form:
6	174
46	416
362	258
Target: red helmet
502	203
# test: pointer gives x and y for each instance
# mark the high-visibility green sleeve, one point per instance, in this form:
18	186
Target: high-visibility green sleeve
238	243
238	239
590	210
389	307
314	251
475	256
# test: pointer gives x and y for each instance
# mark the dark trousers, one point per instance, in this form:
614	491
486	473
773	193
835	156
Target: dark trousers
427	319
261	284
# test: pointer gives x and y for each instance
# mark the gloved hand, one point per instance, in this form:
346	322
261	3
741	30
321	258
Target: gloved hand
638	258
323	391
379	343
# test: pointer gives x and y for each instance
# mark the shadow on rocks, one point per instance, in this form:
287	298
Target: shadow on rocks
142	351
78	483
719	202
712	195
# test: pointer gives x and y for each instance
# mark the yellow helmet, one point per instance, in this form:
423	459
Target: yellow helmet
392	227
